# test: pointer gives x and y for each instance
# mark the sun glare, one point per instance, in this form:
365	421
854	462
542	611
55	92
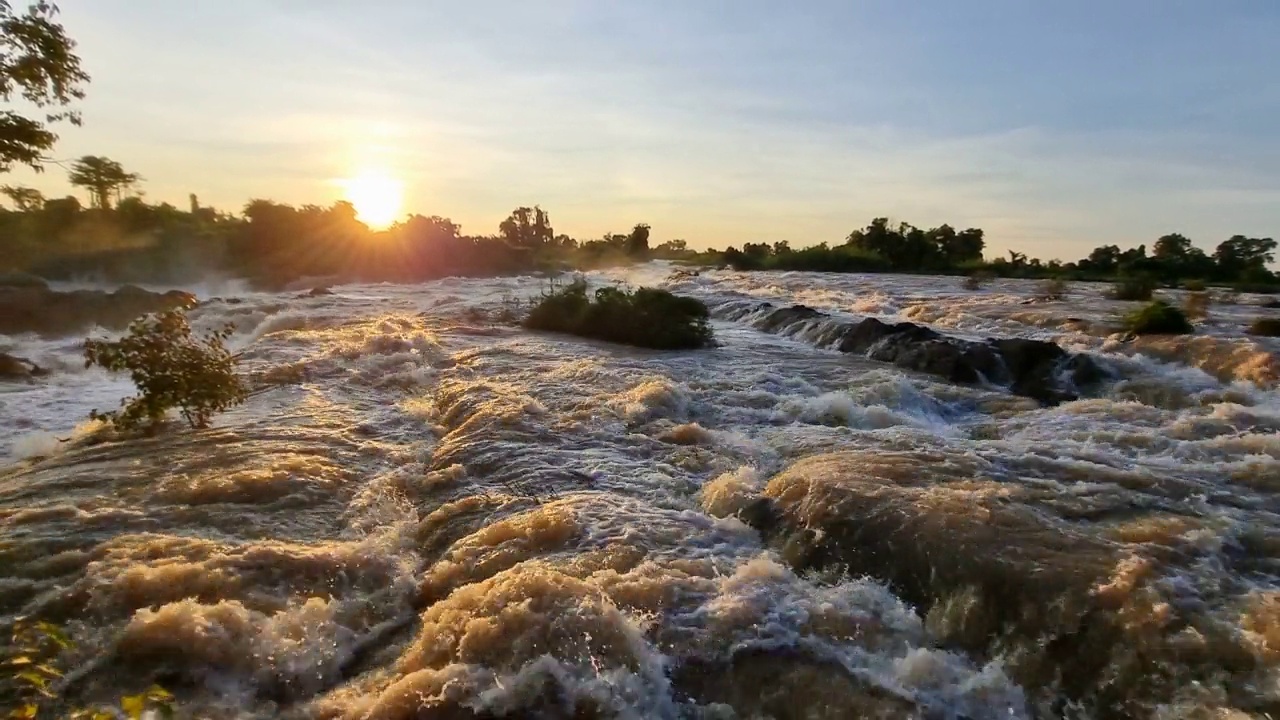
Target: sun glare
377	197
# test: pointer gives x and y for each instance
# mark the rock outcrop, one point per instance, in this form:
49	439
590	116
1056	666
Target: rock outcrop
25	309
16	368
1032	368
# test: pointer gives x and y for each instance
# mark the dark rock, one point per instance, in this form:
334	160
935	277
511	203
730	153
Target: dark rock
1032	368
319	291
762	515
44	311
16	368
1273	304
1084	371
784	317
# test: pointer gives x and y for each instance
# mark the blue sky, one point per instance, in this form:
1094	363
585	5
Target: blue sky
1054	126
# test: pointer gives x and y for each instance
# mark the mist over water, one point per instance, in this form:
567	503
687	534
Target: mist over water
449	517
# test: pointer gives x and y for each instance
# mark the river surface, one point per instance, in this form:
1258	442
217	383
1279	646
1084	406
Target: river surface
437	514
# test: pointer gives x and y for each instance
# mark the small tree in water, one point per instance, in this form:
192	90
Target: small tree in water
171	369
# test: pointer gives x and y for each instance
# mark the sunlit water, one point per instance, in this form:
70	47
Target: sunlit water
451	517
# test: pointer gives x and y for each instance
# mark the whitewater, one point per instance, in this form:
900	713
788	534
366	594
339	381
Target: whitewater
437	514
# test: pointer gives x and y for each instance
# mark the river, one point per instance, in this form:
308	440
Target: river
442	515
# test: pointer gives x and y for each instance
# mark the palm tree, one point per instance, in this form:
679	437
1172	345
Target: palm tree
103	178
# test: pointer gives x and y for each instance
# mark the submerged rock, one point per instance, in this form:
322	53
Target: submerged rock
23	280
1032	368
40	310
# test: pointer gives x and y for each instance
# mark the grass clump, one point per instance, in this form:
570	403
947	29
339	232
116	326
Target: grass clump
977	280
1194	285
1158	318
1267	327
171	369
1137	287
1053	289
647	317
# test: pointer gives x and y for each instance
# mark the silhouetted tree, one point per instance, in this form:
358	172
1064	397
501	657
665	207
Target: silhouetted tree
638	242
38	65
1242	256
103	177
527	228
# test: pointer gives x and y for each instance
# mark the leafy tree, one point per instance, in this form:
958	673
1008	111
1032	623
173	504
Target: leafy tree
103	177
38	65
1103	260
24	199
171	369
1172	248
527	228
672	249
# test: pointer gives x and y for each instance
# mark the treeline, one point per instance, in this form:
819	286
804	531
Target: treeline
277	243
876	248
1240	261
121	237
125	238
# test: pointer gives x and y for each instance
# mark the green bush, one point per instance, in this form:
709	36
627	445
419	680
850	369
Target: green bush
648	317
1194	285
1133	288
1158	318
1270	327
171	369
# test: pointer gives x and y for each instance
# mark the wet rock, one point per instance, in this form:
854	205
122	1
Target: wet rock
1273	304
785	317
785	682
16	368
762	515
319	291
48	312
1032	368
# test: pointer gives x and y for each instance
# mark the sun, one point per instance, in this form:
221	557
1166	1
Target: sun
376	196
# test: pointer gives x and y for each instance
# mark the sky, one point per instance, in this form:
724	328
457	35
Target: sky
1055	127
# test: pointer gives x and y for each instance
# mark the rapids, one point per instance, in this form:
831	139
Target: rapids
445	516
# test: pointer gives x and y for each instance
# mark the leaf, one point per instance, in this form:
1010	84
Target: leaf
159	694
33	678
19	661
55	633
26	711
37	681
133	705
49	670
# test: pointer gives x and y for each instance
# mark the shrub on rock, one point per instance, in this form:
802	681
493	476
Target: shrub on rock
171	369
647	317
1158	318
1133	288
